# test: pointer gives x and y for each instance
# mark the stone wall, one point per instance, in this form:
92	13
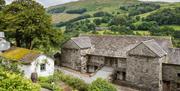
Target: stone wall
96	59
144	72
71	58
171	74
122	63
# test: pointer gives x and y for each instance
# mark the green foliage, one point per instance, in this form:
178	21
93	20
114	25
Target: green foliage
57	10
77	11
27	25
9	65
166	16
101	85
85	16
75	83
121	20
147	25
27	20
140	8
2	4
14	82
47	82
123	30
101	13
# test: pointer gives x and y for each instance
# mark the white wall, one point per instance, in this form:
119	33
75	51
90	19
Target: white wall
35	67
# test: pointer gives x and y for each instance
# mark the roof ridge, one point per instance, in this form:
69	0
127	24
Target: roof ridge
152	40
161	37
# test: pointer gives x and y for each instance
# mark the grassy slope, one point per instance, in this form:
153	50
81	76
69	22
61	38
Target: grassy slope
163	6
56	18
92	6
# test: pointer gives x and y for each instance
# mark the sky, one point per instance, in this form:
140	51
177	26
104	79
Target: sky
48	3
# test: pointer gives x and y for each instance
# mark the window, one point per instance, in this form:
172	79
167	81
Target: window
43	67
178	74
178	85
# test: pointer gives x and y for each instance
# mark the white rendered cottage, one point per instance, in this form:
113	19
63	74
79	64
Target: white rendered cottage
31	61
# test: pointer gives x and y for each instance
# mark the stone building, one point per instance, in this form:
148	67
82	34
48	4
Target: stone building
146	63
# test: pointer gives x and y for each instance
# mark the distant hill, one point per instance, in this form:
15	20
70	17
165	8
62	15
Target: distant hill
91	7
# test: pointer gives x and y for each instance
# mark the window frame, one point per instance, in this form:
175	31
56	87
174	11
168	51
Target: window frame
42	67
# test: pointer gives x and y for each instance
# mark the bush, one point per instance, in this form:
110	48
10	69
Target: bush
47	82
75	83
60	24
57	10
165	16
101	85
140	8
101	13
147	25
77	11
14	82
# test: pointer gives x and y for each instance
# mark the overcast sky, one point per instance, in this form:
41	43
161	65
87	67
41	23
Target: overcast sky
48	3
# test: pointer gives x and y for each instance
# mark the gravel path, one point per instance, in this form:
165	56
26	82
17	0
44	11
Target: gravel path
104	73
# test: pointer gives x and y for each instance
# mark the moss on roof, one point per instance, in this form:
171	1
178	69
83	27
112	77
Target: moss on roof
17	53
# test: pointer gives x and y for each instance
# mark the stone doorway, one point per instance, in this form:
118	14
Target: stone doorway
120	75
166	86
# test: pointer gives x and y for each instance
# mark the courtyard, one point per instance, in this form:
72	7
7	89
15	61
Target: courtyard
105	73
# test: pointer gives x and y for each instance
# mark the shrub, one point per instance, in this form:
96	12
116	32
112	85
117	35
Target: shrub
14	82
49	83
60	24
101	13
101	85
77	11
75	83
165	16
57	10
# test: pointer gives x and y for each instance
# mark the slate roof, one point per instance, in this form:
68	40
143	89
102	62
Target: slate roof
82	42
30	57
155	47
174	56
118	46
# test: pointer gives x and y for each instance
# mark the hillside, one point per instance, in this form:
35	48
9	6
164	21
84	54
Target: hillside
119	17
92	6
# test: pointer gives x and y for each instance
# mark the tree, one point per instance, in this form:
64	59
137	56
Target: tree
119	20
101	85
29	24
2	4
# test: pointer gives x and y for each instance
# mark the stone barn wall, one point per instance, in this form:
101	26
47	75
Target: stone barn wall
144	72
71	58
144	68
171	74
